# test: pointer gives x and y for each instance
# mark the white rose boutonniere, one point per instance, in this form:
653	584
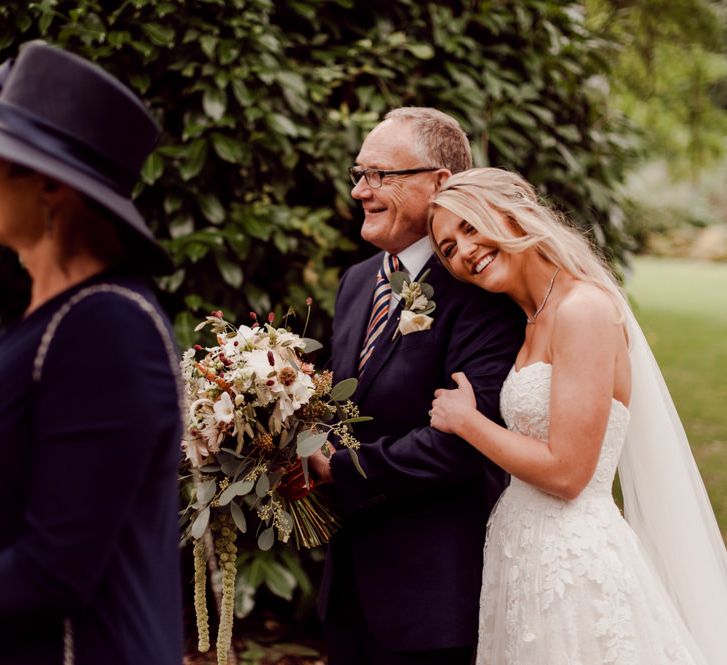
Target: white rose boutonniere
418	304
412	322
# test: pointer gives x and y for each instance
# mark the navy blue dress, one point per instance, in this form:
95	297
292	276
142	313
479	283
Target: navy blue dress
88	497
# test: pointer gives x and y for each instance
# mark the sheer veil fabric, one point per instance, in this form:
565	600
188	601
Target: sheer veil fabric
666	504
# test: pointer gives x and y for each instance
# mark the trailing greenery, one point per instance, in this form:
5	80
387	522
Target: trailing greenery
265	104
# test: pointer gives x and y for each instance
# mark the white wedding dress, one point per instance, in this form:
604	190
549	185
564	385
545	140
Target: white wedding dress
567	582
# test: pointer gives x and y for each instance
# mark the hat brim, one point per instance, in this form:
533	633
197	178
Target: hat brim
146	253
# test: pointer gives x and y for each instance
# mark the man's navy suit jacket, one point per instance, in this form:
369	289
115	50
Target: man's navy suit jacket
413	538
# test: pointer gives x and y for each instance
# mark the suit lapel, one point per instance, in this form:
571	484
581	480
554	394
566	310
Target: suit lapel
385	345
353	323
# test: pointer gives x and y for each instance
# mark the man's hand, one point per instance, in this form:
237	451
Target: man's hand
320	465
452	408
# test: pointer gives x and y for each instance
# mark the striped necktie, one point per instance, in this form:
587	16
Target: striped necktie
379	309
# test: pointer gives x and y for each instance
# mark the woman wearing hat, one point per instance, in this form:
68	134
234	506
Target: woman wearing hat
89	395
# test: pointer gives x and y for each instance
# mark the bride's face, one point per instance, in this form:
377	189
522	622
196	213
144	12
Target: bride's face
471	255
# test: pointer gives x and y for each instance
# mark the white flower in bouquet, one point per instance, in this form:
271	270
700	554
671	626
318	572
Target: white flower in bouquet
195	451
205	424
234	345
224	409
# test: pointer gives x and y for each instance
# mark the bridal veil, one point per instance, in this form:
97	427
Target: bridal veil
666	504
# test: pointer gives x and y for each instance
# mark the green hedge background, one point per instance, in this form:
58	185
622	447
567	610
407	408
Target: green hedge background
264	104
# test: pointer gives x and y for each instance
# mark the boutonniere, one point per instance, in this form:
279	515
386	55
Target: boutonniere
418	304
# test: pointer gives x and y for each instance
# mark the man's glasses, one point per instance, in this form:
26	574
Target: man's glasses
375	177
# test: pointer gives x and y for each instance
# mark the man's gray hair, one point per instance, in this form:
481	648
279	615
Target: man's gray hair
440	140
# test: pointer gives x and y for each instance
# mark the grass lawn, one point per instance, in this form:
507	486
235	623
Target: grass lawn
682	307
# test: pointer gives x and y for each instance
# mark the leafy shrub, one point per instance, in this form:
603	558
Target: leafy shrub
264	104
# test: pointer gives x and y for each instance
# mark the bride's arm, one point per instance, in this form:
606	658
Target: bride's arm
584	348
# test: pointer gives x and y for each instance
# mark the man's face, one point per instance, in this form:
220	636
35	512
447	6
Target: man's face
395	215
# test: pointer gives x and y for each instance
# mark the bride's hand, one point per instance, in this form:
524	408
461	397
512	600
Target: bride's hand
451	408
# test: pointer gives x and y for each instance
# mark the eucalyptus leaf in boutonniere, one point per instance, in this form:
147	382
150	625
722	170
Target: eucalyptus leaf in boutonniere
418	303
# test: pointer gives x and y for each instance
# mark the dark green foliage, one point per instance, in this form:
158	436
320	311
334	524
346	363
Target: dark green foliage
265	104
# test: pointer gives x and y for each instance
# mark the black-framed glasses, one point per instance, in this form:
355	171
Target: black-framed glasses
375	177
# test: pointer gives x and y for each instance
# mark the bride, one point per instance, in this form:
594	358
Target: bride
566	579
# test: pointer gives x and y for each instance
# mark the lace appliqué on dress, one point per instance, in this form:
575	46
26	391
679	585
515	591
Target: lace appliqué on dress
565	582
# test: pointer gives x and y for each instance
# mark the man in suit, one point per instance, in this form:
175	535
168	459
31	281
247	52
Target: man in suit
402	578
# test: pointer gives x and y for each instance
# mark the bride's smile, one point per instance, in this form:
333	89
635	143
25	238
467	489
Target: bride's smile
485	262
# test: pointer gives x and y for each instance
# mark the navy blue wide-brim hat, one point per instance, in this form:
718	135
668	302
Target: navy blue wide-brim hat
67	118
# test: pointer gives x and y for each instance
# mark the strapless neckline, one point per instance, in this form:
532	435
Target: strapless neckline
549	366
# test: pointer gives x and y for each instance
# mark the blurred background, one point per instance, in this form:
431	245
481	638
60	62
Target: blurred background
615	109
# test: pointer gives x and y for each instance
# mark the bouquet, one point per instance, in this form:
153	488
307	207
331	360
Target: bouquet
257	409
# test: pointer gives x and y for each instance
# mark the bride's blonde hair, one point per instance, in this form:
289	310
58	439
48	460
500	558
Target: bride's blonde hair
487	196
